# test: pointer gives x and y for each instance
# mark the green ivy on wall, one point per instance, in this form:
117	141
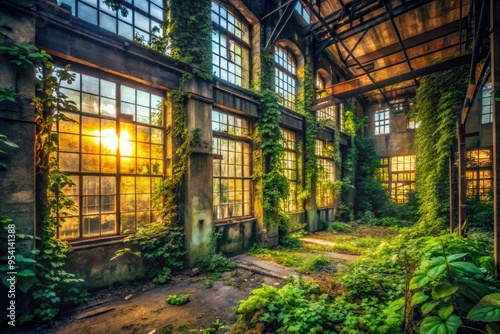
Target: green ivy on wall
275	187
438	102
303	106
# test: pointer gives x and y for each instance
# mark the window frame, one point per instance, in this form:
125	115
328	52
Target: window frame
244	137
324	197
289	142
219	33
121	121
382	125
487	104
103	11
286	76
476	170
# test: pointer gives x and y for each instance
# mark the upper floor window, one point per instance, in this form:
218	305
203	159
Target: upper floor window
302	12
382	122
412	125
486	104
286	76
144	17
289	143
114	153
320	83
230	47
342	116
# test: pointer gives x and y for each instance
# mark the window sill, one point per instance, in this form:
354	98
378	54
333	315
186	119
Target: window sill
229	221
97	242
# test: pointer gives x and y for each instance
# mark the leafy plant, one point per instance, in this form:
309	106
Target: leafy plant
216	327
298	307
178	299
452	287
53	286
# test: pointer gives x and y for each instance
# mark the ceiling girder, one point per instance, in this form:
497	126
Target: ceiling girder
417	40
358	86
332	33
381	18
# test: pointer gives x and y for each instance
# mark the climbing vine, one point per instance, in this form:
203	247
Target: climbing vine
274	183
303	106
52	284
438	101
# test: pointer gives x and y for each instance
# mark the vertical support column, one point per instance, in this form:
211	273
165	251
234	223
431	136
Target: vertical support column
462	181
452	191
495	79
198	189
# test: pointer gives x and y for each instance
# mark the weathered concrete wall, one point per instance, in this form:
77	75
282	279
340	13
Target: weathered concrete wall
399	141
484	132
17	181
236	237
92	263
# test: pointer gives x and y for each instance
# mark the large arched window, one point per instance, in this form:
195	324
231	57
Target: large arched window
230	47
286	75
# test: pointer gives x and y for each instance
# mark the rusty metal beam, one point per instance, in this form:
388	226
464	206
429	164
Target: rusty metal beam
283	20
332	33
383	17
417	40
358	86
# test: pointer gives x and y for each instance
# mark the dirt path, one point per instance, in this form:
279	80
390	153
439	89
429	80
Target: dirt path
333	255
141	307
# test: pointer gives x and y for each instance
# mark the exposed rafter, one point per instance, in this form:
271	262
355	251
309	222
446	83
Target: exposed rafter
359	86
334	35
411	42
285	16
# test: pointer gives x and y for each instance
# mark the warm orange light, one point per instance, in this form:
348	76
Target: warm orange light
109	140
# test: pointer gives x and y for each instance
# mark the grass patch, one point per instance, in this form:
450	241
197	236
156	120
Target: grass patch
301	259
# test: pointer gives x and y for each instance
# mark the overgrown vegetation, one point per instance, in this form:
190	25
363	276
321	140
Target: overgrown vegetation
52	286
437	106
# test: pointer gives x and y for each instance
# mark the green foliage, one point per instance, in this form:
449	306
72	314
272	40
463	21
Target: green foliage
6	141
215	328
53	286
298	307
339	227
303	106
275	187
369	193
8	94
480	213
438	101
117	5
191	34
452	287
15	262
178	299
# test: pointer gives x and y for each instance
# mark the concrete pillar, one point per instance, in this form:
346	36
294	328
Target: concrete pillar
198	189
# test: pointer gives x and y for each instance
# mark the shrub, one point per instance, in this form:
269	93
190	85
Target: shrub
339	227
298	307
